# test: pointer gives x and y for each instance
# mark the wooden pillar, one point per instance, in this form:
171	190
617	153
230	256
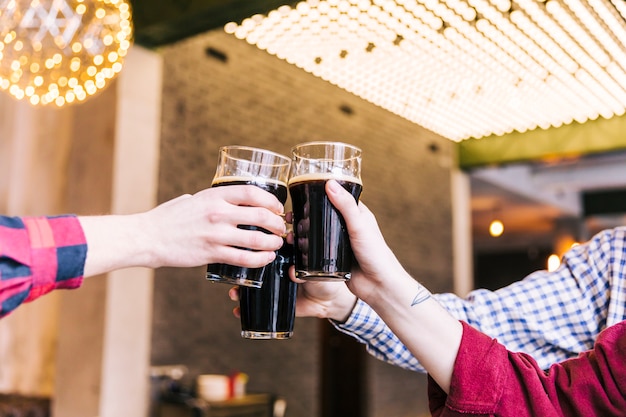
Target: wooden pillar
103	354
462	233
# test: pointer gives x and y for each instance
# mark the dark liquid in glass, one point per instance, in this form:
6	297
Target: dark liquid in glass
322	246
269	312
237	274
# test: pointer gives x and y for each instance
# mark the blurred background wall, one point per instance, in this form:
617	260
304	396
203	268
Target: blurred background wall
154	135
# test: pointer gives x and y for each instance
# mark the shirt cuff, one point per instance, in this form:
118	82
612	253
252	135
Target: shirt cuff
353	323
58	253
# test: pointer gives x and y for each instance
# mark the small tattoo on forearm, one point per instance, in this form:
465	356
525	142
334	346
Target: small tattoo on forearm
422	295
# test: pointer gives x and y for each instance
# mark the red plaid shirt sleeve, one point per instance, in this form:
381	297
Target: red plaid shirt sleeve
38	255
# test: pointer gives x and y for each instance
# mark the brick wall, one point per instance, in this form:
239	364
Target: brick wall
253	98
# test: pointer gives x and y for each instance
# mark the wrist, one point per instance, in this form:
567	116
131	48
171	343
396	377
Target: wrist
143	236
342	307
117	241
397	289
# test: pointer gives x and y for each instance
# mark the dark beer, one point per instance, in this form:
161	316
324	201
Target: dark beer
322	245
269	312
236	274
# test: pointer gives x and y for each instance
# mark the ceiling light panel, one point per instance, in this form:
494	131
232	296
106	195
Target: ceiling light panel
461	68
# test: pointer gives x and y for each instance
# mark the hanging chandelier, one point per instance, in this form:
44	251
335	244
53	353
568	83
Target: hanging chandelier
61	51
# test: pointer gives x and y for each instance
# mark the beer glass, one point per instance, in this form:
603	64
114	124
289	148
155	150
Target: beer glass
269	312
322	246
245	165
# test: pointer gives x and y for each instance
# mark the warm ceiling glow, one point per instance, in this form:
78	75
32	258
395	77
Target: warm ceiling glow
61	51
461	68
496	228
553	262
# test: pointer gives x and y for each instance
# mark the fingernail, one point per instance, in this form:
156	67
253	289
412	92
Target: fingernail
333	185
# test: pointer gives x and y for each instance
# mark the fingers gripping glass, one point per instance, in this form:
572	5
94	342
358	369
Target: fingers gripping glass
322	244
245	165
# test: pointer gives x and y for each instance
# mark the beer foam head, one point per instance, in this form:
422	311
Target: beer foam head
247	179
323	176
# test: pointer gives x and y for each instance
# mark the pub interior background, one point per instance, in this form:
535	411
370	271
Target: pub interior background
153	134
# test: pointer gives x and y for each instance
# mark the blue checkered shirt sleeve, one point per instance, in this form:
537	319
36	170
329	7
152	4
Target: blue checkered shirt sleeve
549	315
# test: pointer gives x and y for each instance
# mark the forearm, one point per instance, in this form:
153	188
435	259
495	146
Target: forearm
188	231
427	329
117	241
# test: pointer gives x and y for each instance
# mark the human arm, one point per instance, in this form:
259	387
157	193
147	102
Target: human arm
479	375
592	384
425	328
40	254
550	315
188	231
475	374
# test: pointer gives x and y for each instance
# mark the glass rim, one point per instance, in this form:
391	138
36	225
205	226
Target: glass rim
326	142
285	158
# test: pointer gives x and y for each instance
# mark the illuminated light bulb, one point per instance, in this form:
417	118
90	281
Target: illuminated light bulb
496	228
61	40
230	28
553	262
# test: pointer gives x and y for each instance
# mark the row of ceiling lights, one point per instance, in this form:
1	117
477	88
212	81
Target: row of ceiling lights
460	68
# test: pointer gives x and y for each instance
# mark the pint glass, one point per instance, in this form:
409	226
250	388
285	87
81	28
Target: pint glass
245	165
269	312
322	246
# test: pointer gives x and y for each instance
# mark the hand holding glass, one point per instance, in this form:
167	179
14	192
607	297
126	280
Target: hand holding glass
322	244
245	165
